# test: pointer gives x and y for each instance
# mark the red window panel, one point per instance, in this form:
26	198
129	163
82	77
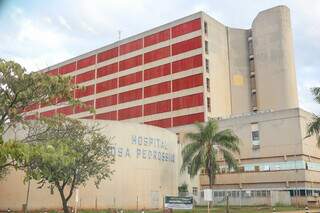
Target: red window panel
186	27
30	117
188	119
130	79
87	76
130	62
157	38
187	82
158	107
107	116
67	68
51	102
187	45
73	80
164	123
87	117
157	54
31	107
157	89
85	62
53	72
85	106
156	72
188	101
68	110
131	95
187	63
107	85
132	112
106	101
107	70
49	113
108	54
131	46
82	92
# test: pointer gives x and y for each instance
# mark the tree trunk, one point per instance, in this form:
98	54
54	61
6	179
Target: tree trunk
211	186
63	200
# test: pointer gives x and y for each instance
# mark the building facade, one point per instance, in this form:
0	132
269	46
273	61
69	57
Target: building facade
195	69
275	156
183	72
145	170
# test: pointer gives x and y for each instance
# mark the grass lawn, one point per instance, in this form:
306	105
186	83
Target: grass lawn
233	209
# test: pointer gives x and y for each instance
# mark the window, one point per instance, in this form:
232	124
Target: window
206	47
207	65
208	84
209	104
195	191
255	136
205	27
178	138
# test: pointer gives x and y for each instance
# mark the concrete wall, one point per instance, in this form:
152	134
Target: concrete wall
274	59
281	140
239	70
217	38
137	175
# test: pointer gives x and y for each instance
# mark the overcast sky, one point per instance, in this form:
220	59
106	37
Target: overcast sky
40	33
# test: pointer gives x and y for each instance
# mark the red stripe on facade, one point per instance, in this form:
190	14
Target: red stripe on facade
87	76
85	107
106	101
86	91
107	116
156	72
108	54
187	82
87	117
130	62
132	112
85	62
187	45
30	117
157	54
164	123
131	46
107	85
31	107
131	95
49	113
157	38
187	101
107	70
188	119
187	63
53	72
130	79
68	110
67	68
157	89
157	107
186	27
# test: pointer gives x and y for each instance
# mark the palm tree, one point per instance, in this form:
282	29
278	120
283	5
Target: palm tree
205	144
314	126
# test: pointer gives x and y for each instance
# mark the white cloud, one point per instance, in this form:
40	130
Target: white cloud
64	23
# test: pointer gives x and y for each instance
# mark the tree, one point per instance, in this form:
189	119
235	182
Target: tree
203	150
18	90
313	127
68	154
